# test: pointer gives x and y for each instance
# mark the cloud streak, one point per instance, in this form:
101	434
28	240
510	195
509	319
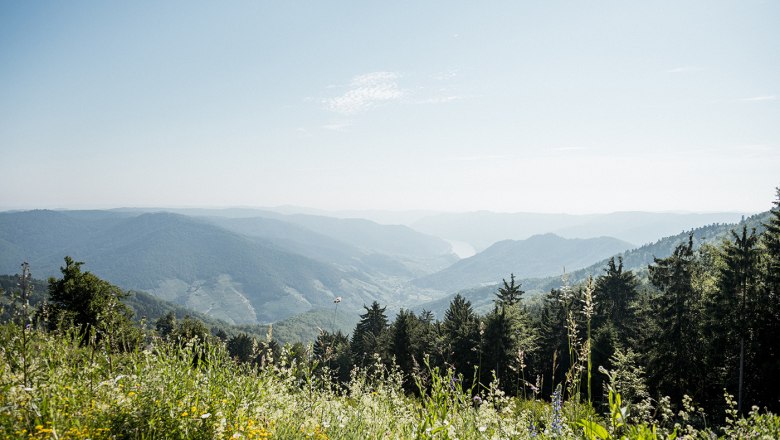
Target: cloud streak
486	157
684	69
763	98
366	91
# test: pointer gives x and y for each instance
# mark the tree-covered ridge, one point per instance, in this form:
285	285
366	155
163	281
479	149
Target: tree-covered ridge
537	256
202	266
636	260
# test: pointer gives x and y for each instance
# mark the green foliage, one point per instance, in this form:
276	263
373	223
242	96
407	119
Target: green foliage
509	294
92	305
677	359
461	339
370	336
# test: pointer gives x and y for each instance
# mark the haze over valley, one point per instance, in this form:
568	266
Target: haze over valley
257	266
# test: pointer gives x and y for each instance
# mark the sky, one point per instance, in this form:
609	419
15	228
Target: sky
533	106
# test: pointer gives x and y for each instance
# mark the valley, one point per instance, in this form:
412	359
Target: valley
259	266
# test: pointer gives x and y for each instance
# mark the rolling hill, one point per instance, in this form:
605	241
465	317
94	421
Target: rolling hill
636	260
538	256
483	228
187	261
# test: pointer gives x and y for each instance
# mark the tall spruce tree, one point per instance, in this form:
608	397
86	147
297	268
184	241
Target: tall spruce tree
508	336
332	350
509	294
404	338
676	360
552	361
616	293
734	308
615	320
460	331
768	317
370	336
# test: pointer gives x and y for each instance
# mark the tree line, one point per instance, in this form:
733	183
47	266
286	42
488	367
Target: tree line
700	321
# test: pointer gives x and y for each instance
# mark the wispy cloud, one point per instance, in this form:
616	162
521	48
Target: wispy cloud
762	98
570	148
477	158
758	148
445	75
685	69
439	99
366	91
337	126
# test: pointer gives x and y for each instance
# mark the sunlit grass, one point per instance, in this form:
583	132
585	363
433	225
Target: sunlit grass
77	392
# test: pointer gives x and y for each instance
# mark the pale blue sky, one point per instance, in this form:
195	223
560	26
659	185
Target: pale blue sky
509	106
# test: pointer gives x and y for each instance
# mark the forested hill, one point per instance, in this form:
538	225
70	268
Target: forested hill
538	256
184	260
636	260
331	236
367	254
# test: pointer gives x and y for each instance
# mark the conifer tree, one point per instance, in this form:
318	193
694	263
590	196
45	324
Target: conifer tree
615	320
460	330
93	305
370	335
552	359
332	350
676	359
733	307
616	293
768	318
509	294
242	347
508	335
404	338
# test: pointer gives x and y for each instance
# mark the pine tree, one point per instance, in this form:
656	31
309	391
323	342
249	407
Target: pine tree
616	294
615	320
332	350
552	359
92	305
768	317
733	311
242	347
508	335
510	293
460	331
404	338
369	337
771	242
676	360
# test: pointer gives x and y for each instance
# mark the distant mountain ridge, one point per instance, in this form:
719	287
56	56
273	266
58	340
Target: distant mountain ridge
537	256
636	260
189	261
483	228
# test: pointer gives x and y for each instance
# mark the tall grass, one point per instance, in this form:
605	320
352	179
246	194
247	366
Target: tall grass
78	391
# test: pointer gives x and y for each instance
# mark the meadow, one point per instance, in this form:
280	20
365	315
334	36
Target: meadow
56	387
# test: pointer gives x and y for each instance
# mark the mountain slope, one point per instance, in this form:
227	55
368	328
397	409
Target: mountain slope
636	260
300	240
538	256
418	253
184	260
